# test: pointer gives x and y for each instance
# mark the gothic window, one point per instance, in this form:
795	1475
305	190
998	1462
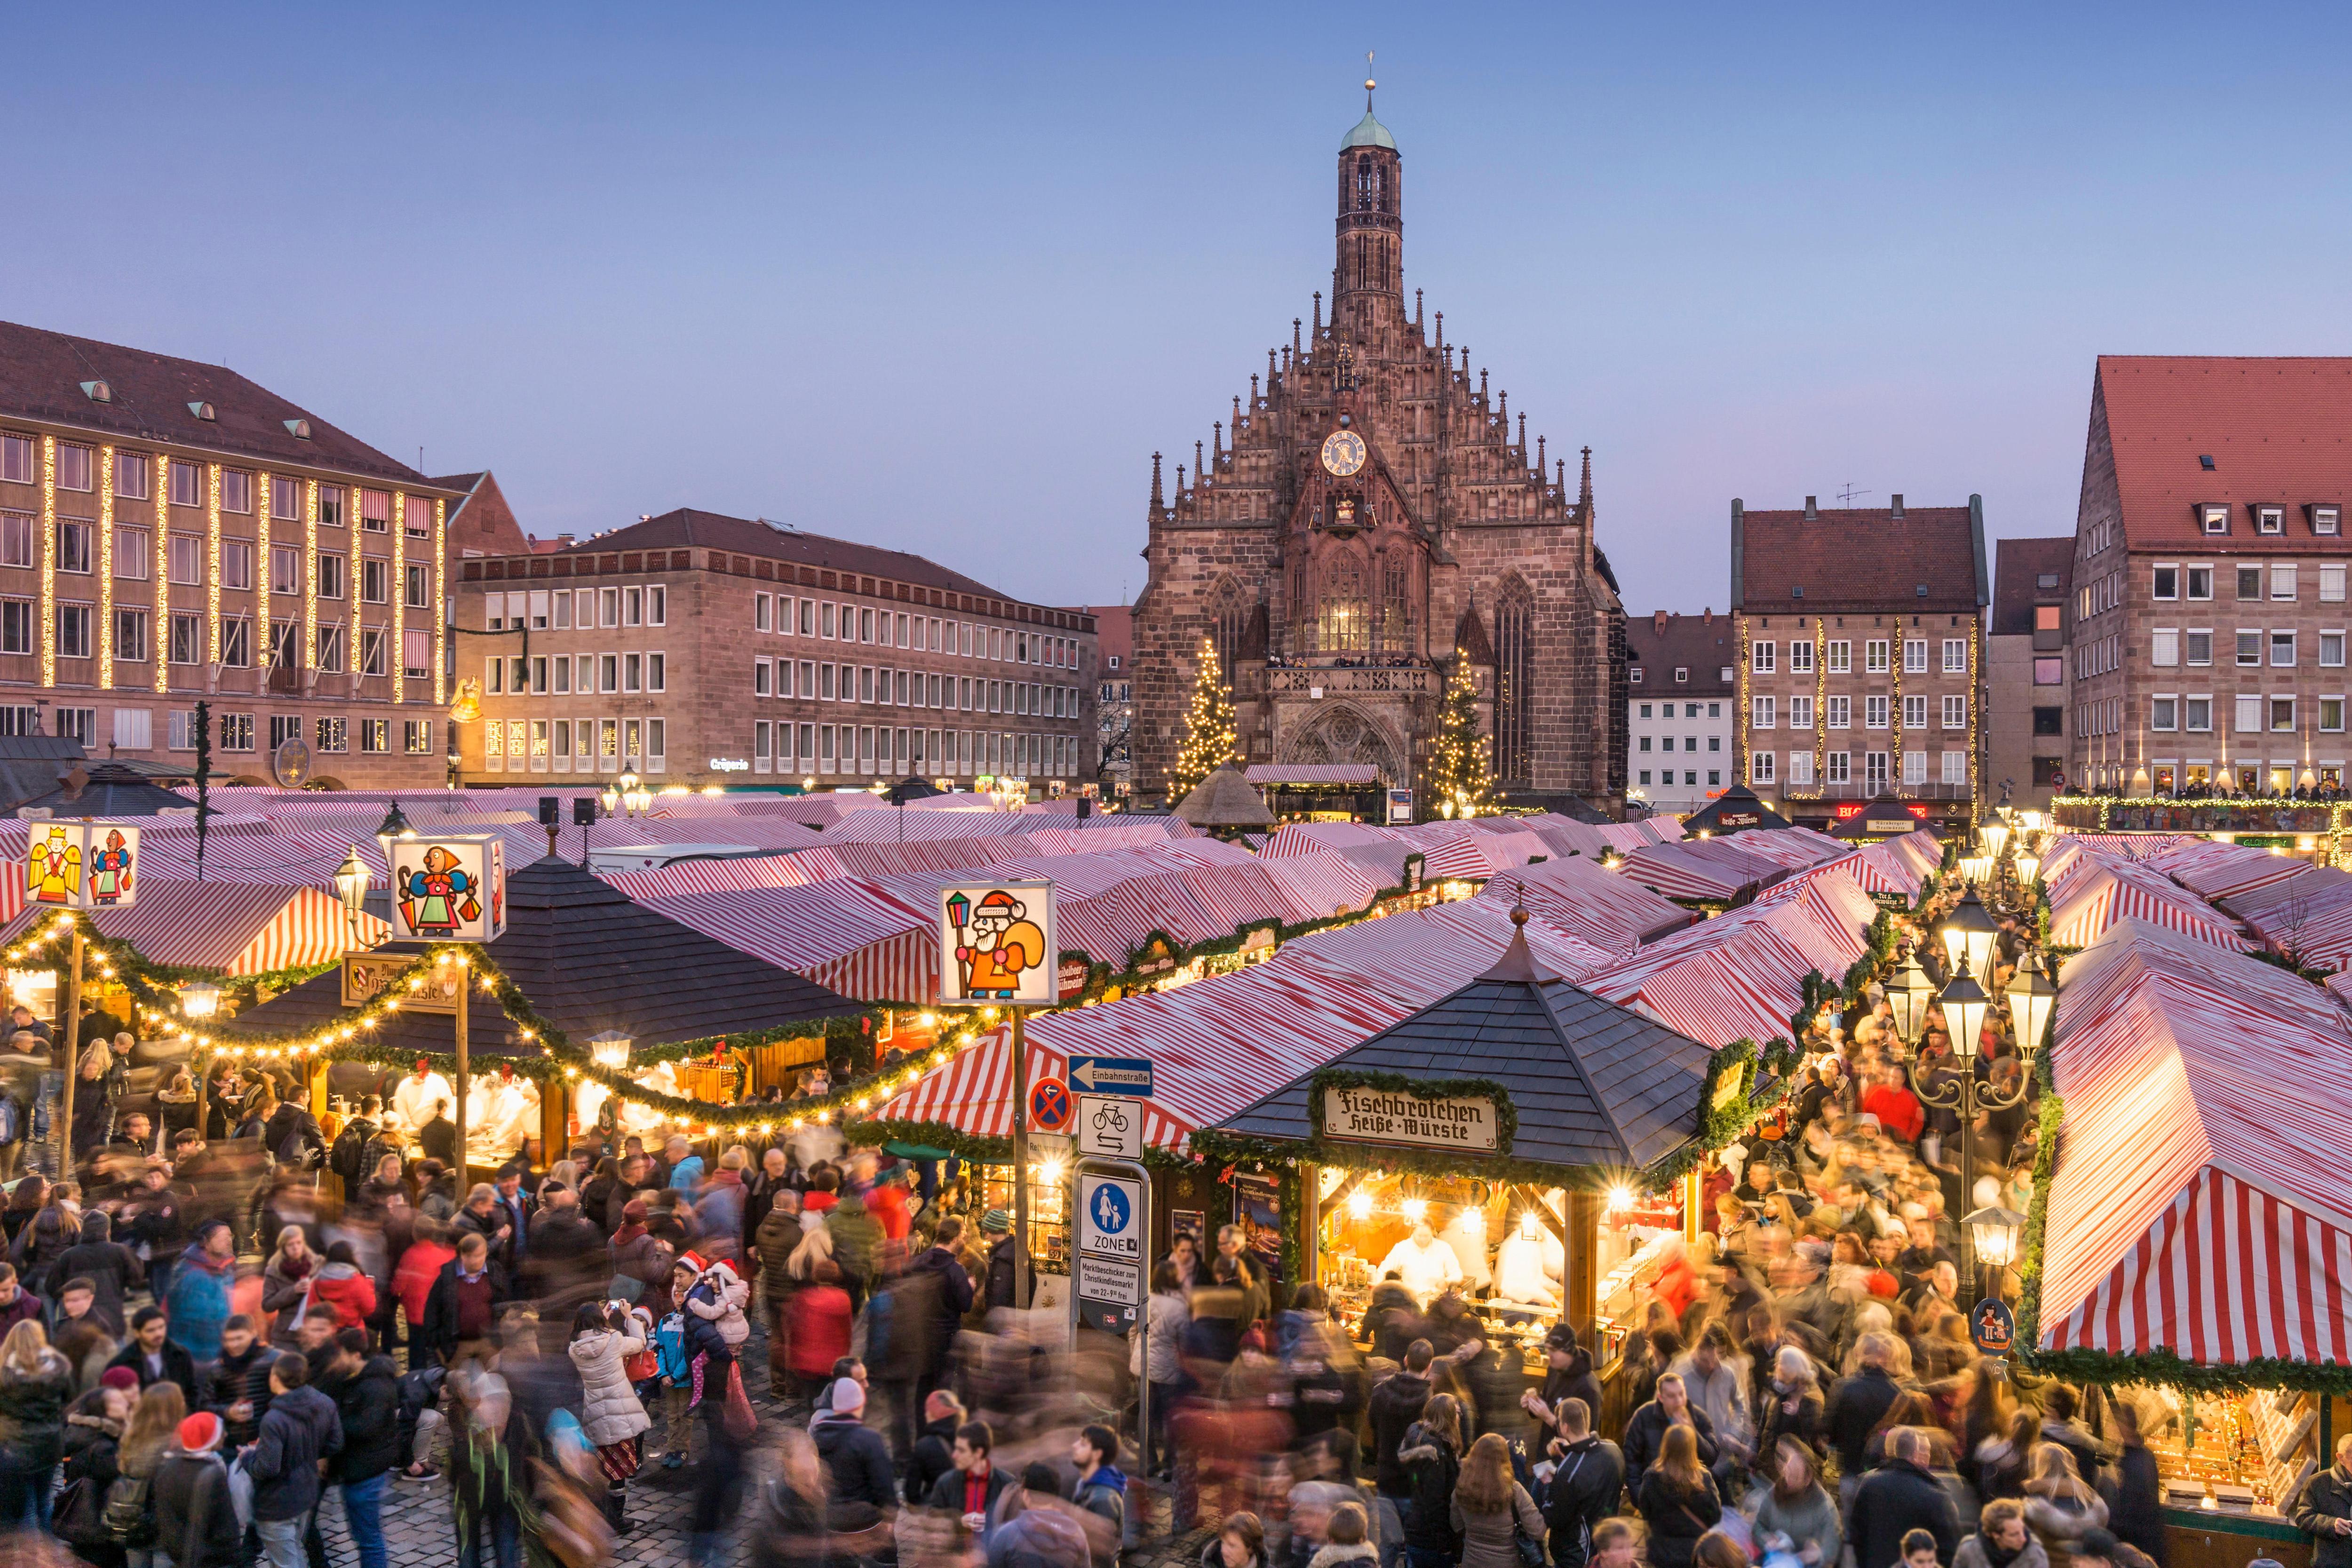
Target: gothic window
1229	619
1396	607
1514	680
1368	182
1342	622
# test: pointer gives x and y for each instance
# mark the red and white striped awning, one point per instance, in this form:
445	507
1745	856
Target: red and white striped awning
2095	898
2191	1208
1607	909
845	935
235	928
1700	871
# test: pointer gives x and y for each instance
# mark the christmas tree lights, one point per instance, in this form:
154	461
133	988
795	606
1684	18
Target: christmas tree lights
1211	740
1458	779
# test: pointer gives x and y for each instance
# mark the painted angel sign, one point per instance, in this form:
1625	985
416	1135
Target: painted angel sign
81	865
450	889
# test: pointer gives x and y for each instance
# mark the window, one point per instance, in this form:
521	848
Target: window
866	626
236	563
73	631
656	604
763	612
285	569
237	491
1874	655
1915	768
1761	768
2249	647
762	672
2249	715
2049	672
2282	581
2270	520
375	735
2164	712
416	517
416	653
2163	647
1915	713
1955	712
186	558
237	731
2331	650
2197	713
633	606
79	724
420	585
2331	584
1841	654
1873	771
375	580
73	546
1800	658
2250	582
2216	519
608	606
331	513
1801	715
285	498
608	672
375	511
1645	743
236	642
1955	655
131	561
73	468
333	733
2197	647
16	459
1682	674
2282	650
1635	675
417	736
1956	767
374	655
17	538
1839	712
1763	656
1801	768
187	638
131	636
2165	582
1914	655
187	483
2282	713
329	652
132	476
1840	767
2331	715
330	576
2200	582
1875	712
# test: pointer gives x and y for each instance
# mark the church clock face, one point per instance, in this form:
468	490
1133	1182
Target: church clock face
1343	453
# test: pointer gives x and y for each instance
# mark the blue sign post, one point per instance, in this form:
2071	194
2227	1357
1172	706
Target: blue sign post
1129	1076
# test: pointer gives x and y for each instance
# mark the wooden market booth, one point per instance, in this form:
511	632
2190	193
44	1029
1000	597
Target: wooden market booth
1520	1134
591	962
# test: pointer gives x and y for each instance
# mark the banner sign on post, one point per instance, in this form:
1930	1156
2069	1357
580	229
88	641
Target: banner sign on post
81	865
449	889
1358	1115
996	944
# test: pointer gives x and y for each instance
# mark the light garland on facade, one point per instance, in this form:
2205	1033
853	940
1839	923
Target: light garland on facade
397	657
159	642
1821	704
1894	713
354	500
213	560
265	631
1743	736
105	569
309	660
1975	705
48	561
440	600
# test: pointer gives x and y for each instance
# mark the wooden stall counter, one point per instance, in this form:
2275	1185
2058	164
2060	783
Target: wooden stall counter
2211	1538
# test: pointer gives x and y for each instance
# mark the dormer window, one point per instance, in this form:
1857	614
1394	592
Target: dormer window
298	429
1682	673
2270	520
1635	675
2216	519
2328	520
98	392
201	410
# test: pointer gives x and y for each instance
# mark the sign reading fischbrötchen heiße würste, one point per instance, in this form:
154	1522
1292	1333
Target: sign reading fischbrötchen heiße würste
1382	1116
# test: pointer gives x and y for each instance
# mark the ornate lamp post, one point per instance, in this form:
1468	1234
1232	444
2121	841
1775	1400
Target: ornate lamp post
351	881
393	829
1969	934
1965	1004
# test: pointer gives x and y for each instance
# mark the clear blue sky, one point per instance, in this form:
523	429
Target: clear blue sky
943	277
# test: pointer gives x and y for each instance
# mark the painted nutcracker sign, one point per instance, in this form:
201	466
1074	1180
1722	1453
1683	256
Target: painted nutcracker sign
451	890
996	944
81	865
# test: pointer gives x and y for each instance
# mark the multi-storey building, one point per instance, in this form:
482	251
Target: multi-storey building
1678	727
2026	679
1861	632
695	648
1370	523
171	532
2208	616
1115	702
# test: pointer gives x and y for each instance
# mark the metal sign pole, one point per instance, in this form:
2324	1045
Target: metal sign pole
1020	1259
1138	1224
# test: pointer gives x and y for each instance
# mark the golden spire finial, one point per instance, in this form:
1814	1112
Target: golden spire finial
1368	83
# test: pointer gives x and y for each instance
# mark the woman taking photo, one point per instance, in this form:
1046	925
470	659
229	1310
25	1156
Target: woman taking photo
1491	1510
1798	1515
286	1282
604	1337
1678	1500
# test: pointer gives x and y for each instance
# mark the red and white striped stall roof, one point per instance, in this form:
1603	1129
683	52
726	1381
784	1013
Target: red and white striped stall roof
1577	896
845	935
1881	868
2096	898
1698	869
2190	1209
2211	869
236	928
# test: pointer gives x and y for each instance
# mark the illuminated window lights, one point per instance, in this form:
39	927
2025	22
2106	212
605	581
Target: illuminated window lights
106	568
396	661
265	637
213	561
159	639
440	599
48	561
311	574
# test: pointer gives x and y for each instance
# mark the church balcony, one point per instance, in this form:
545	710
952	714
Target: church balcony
1327	675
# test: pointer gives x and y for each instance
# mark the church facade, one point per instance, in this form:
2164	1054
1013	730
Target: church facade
1370	516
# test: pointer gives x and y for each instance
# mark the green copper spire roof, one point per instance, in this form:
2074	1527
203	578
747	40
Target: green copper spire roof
1369	133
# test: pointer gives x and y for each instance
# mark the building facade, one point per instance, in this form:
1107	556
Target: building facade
1862	639
2027	687
1369	518
171	532
1678	722
701	649
2207	624
1115	701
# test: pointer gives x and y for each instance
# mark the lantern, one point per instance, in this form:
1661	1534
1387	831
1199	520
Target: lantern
1969	934
1908	993
1996	1232
2031	998
1964	1003
395	829
610	1049
1993	835
200	998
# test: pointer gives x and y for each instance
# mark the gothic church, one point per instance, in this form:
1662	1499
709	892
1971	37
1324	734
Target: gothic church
1369	517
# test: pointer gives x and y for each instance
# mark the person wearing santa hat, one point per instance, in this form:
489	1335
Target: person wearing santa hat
195	1522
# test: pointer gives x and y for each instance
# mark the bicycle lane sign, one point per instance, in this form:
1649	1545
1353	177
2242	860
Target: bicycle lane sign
1109	1127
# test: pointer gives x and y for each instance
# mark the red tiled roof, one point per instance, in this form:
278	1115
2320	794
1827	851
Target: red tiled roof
41	374
2279	432
1694	643
1864	558
2019	565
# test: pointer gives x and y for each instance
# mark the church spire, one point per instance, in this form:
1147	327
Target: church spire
1157	503
1367	274
1584	491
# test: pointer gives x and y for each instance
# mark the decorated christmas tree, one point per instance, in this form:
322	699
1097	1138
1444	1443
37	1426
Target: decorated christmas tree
1210	740
1456	772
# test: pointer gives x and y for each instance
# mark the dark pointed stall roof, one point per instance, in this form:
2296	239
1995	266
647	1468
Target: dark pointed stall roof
1882	808
1737	803
591	959
107	790
1595	1087
1225	799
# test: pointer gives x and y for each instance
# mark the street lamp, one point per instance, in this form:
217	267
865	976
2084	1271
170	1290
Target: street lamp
1969	934
2029	866
2031	998
1994	834
200	998
1965	1004
1908	993
634	795
612	800
393	828
1996	1232
351	881
610	1049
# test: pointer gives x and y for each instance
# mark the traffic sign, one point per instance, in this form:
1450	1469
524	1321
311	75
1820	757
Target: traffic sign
1050	1107
1110	1294
1108	1211
1109	1127
1129	1076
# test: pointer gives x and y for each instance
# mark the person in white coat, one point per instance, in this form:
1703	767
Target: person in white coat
605	1335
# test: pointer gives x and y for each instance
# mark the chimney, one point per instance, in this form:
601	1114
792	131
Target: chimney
1706	616
563	540
1898	506
1813	510
1658	622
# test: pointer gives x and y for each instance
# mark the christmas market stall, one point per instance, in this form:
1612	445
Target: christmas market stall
587	1005
1737	810
2190	1245
1520	1144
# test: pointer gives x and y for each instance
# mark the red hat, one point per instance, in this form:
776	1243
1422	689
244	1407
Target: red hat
694	1261
119	1377
200	1431
818	1202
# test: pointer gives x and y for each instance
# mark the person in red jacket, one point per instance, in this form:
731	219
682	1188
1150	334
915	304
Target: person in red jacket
820	1329
412	1276
343	1288
1899	1113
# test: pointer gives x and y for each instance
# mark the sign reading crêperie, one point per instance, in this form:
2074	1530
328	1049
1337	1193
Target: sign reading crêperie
1384	1116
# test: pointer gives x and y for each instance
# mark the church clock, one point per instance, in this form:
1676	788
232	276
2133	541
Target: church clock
1343	453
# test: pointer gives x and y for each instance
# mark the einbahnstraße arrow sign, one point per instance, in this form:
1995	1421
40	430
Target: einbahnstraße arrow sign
1129	1076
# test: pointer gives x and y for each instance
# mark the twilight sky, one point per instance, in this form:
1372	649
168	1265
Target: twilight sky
942	277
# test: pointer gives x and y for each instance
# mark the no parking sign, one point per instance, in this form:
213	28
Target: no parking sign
1051	1108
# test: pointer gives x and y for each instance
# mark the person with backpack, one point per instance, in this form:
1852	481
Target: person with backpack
110	1266
365	1390
295	1136
195	1519
94	1435
152	1432
347	1158
199	1301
